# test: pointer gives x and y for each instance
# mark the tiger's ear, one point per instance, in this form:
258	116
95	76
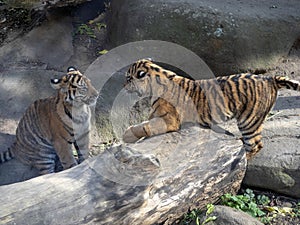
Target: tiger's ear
71	69
149	59
56	83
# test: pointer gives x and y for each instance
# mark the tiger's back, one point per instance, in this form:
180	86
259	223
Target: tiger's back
34	136
236	96
51	126
246	97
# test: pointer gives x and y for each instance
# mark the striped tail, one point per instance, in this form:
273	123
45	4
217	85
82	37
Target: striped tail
6	156
285	82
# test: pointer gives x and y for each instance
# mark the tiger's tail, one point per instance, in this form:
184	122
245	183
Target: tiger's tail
6	156
285	82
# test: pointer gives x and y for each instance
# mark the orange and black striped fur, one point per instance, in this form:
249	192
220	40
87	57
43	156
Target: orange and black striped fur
246	97
49	127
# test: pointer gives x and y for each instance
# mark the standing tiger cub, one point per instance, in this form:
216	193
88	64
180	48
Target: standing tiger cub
246	97
49	127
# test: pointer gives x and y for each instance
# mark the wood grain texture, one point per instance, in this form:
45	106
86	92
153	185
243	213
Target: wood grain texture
154	181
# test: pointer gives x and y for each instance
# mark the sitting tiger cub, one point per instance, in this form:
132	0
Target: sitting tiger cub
49	127
246	97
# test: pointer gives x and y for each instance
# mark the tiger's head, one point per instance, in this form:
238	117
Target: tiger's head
76	88
147	79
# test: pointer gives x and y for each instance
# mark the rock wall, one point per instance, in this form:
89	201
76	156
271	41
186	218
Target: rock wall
231	36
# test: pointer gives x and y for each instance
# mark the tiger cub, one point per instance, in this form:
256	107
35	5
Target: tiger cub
49	127
246	97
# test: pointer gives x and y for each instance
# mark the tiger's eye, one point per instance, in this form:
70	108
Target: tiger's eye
141	74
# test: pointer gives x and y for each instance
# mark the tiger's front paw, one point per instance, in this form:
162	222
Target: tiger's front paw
80	160
129	136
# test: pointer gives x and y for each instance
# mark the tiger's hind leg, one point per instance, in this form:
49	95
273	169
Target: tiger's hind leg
46	167
252	146
252	138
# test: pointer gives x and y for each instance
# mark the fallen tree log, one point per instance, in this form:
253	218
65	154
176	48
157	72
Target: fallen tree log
154	181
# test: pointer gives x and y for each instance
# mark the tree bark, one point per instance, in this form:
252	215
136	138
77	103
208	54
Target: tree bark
151	182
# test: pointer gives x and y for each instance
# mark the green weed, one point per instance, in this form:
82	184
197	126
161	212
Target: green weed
196	216
84	29
246	202
258	206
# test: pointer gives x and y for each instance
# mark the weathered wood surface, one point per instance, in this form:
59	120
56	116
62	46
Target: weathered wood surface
155	181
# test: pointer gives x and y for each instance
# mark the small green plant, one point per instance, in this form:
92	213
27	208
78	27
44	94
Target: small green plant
90	28
210	209
100	26
245	202
259	206
195	215
263	200
84	29
102	52
192	216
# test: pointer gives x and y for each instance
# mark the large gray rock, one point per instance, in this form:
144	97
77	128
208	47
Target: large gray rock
49	44
20	87
276	166
229	35
229	216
